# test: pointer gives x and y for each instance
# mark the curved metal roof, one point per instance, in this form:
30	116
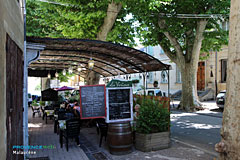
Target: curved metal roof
109	59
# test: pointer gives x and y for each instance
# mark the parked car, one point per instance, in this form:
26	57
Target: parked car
220	100
152	92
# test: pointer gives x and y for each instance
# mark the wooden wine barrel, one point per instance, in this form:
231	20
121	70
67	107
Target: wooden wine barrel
120	139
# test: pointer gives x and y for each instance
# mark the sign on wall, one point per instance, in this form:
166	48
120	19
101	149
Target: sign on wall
93	101
119	104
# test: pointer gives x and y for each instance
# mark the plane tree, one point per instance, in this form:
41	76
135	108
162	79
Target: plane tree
184	30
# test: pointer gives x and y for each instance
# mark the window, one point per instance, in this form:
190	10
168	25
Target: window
178	75
223	70
164	77
150	77
149	50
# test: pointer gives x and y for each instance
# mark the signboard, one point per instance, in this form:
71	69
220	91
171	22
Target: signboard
119	104
119	83
49	95
93	101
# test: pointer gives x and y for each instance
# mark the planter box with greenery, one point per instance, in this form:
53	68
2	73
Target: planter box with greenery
152	128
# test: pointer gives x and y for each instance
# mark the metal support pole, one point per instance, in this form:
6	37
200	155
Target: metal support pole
216	86
144	84
25	86
168	83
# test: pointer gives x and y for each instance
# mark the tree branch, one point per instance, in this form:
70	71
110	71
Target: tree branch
201	25
173	40
109	20
166	50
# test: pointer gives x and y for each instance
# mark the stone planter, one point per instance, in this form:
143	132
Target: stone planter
152	142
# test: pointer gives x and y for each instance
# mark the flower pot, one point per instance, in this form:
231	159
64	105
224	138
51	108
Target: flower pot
152	142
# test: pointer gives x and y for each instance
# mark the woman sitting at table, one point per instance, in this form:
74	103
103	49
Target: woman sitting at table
77	109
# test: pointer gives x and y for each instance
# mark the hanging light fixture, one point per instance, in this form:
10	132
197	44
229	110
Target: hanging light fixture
79	68
64	72
70	70
56	74
49	75
91	63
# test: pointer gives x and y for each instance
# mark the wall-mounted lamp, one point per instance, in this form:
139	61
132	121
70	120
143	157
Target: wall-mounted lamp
211	73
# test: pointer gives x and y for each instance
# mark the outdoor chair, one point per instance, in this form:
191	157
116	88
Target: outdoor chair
46	115
56	110
72	131
36	109
61	116
102	128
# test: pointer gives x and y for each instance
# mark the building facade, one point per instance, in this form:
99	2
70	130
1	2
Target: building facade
11	77
211	74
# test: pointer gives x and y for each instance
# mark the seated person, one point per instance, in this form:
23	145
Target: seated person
77	109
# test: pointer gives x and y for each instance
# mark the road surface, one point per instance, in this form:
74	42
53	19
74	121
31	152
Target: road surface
202	131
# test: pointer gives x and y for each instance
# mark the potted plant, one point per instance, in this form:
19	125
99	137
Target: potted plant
42	103
34	103
152	126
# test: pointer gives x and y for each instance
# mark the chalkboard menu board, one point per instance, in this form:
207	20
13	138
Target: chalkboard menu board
93	101
119	104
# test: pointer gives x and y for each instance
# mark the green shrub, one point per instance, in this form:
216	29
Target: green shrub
42	103
34	103
152	117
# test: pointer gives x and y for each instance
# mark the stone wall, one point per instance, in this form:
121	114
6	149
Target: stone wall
11	23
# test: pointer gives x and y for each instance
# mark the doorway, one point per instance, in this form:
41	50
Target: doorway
201	76
14	97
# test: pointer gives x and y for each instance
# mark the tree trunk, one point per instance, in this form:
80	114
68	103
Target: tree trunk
229	146
187	62
93	78
109	20
45	83
189	99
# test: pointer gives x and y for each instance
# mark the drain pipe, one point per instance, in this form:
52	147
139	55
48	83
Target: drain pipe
25	90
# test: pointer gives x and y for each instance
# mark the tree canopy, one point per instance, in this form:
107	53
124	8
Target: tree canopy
76	19
183	28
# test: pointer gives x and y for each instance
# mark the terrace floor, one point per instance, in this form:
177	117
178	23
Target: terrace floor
42	134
